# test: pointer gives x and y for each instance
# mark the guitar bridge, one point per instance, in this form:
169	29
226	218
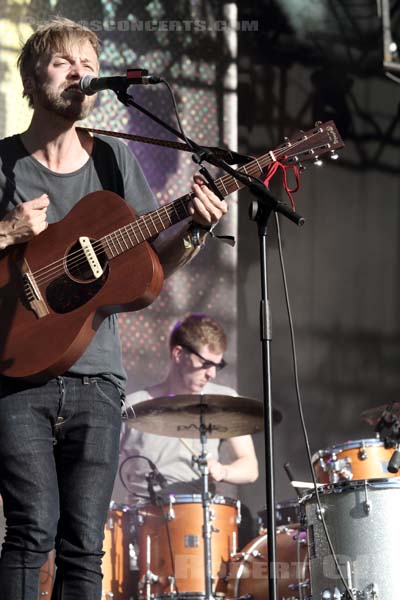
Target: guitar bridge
33	295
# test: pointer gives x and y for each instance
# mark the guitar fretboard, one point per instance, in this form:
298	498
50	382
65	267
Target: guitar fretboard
151	224
306	146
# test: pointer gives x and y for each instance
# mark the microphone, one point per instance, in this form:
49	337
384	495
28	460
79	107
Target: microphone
394	462
158	477
90	85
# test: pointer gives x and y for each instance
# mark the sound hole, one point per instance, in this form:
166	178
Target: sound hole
77	285
78	265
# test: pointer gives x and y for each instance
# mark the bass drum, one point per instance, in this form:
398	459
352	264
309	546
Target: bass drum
364	527
248	573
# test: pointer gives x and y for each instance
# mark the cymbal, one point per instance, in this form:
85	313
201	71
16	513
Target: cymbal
179	415
373	415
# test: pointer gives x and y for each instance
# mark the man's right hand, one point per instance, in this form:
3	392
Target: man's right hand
24	222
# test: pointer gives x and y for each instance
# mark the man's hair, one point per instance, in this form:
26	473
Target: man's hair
55	36
197	330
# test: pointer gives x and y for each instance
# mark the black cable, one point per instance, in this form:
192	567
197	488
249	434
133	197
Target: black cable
300	407
159	503
187	140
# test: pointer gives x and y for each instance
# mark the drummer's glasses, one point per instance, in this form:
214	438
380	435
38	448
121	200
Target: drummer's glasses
206	364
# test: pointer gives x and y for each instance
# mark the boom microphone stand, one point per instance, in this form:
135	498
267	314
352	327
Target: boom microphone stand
261	209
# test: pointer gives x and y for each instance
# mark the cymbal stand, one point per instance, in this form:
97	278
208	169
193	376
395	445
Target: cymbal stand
201	461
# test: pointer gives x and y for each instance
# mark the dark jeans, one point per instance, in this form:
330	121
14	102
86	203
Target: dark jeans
58	457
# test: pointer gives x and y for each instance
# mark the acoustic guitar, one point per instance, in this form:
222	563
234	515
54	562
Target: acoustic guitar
56	289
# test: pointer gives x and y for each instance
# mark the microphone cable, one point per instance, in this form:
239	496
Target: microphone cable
301	414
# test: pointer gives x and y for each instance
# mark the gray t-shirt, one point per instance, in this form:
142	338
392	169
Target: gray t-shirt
172	458
113	167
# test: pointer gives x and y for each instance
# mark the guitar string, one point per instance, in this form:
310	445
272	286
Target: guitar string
117	236
147	219
252	169
223	180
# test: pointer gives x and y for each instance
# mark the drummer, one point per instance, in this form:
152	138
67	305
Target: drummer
197	344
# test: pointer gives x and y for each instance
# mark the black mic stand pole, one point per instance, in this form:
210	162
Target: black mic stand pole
260	214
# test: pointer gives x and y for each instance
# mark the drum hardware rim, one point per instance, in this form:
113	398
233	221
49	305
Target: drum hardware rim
194	499
188	595
177	595
343	486
349	445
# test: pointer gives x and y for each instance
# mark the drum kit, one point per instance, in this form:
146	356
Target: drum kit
185	546
165	542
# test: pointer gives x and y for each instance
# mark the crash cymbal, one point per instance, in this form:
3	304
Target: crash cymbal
373	415
179	415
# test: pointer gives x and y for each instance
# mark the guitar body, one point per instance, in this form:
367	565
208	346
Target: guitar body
52	303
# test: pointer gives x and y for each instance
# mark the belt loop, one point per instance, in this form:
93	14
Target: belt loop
85	380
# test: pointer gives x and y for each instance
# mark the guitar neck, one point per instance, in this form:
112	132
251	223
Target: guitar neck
310	145
151	224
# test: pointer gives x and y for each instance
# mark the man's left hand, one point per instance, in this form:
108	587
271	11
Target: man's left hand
206	208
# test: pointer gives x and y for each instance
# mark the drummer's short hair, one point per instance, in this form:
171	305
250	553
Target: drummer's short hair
56	35
197	330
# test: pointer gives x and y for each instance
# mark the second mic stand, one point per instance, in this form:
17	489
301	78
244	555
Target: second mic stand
202	462
261	210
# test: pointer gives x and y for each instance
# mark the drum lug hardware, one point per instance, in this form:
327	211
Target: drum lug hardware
212	514
328	595
239	512
362	453
257	554
234	544
151	577
338	469
215	529
320	512
171	512
171	581
133	557
373	592
367	504
300	537
367	507
295	587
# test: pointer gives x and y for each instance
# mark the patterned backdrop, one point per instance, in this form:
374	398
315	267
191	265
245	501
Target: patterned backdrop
199	62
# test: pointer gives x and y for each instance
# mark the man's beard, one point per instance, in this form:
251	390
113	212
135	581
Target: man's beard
71	109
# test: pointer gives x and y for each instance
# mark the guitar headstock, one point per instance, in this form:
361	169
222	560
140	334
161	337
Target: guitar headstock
324	138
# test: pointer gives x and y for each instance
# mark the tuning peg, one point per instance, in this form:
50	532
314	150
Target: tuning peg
318	162
334	155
